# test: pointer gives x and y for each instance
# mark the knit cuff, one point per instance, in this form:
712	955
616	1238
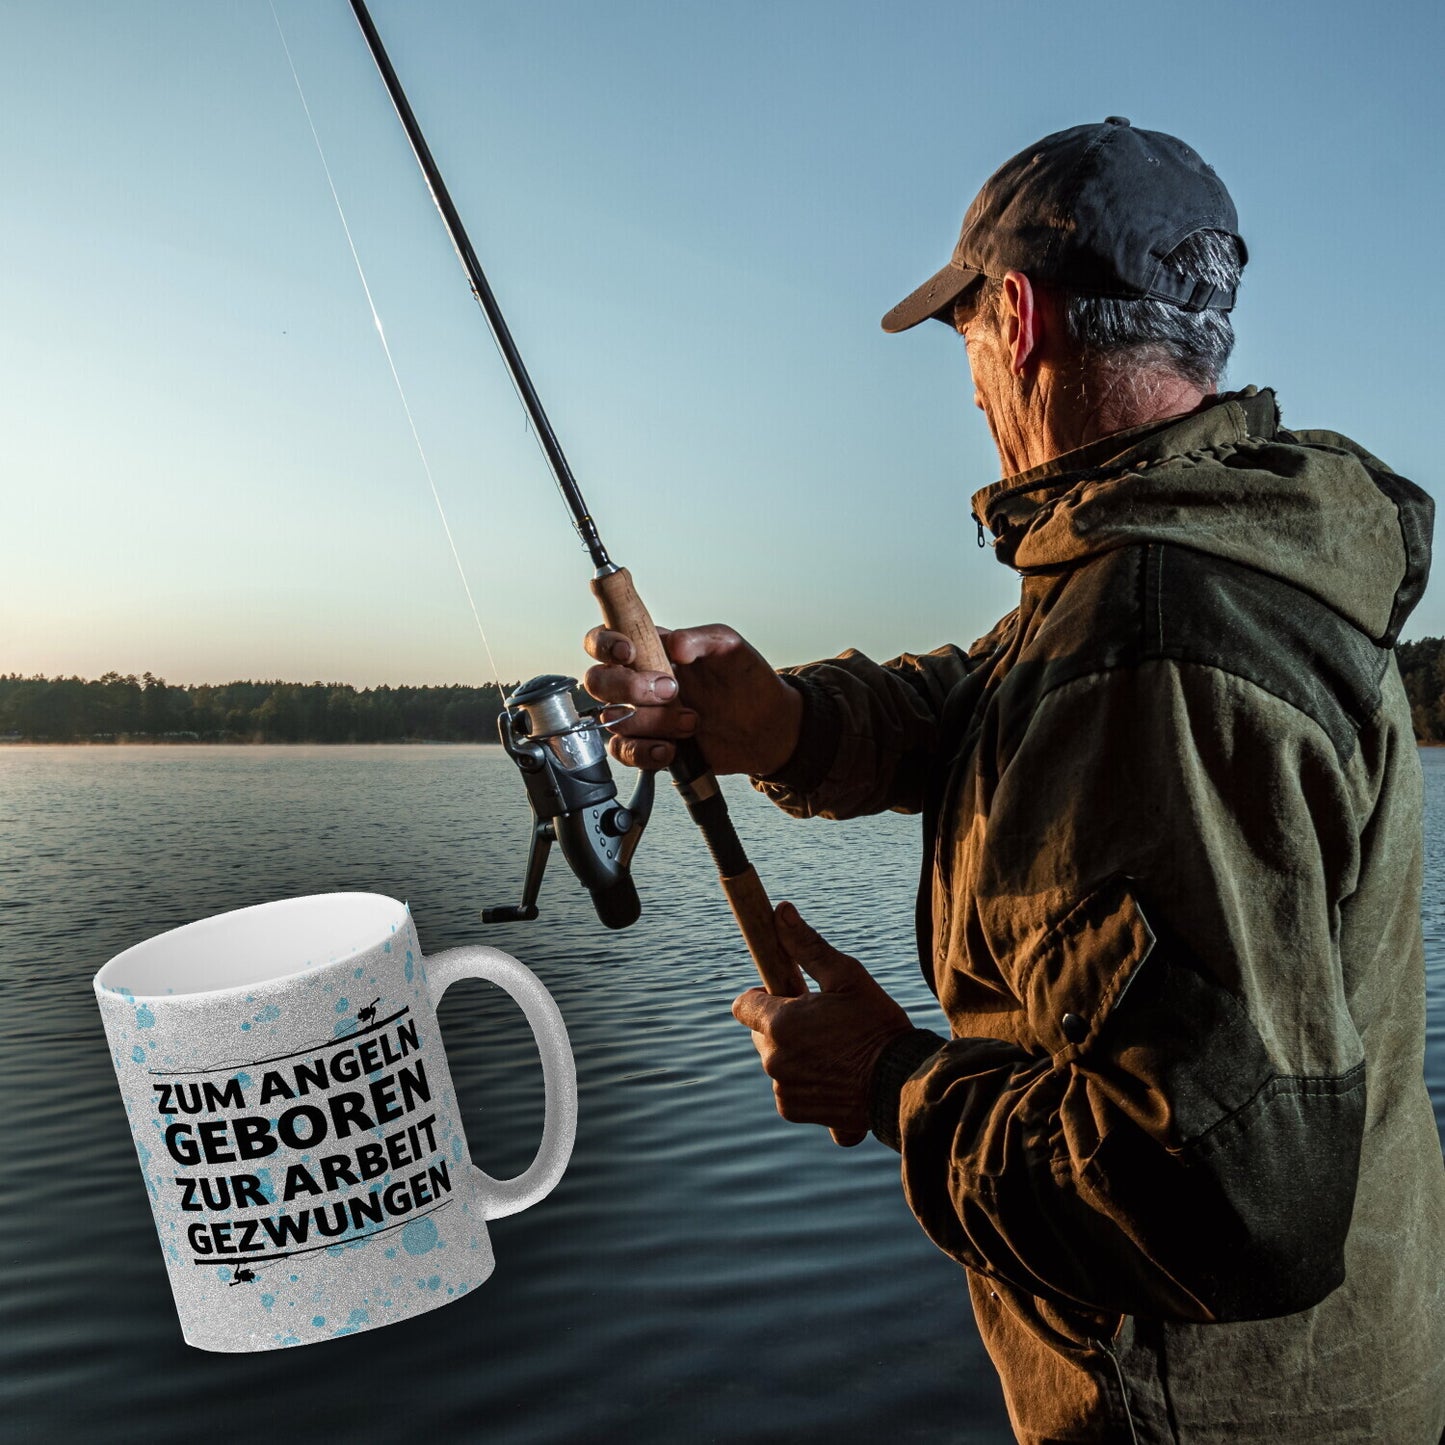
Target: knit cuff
900	1060
817	743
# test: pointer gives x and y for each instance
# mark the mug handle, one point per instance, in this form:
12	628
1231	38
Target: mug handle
559	1073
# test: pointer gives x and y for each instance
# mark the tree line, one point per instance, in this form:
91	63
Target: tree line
1422	665
148	708
116	708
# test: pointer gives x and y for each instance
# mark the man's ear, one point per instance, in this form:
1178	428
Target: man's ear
1020	319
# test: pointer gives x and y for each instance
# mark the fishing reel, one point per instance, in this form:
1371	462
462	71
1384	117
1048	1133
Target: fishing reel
562	754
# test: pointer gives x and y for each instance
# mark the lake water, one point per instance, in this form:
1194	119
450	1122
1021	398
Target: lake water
704	1272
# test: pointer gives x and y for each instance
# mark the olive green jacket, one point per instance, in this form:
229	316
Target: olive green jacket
1171	908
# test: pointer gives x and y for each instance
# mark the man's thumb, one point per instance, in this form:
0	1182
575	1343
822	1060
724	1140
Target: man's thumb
812	952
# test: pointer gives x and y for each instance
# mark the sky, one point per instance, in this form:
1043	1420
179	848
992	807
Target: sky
693	216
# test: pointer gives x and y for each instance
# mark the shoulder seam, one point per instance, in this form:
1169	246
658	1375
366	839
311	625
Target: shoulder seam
1163	655
1151	635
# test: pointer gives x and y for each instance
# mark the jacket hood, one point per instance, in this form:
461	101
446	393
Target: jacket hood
1310	508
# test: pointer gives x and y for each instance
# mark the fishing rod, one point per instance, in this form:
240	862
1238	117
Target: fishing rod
559	750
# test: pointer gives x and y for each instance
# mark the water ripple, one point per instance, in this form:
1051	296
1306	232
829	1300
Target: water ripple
703	1272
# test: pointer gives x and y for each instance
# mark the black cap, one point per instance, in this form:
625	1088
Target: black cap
1093	209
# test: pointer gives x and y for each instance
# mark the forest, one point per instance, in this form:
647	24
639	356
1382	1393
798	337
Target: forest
149	709
1422	665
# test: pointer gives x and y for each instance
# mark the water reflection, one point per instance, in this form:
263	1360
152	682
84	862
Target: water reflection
704	1271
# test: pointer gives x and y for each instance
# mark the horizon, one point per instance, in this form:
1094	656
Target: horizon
693	221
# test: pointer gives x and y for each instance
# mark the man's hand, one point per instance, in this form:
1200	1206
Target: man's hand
743	715
820	1049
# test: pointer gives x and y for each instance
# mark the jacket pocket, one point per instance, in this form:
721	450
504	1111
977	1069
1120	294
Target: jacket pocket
1080	973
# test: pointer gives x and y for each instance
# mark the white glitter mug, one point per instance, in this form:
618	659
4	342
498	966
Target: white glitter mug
295	1120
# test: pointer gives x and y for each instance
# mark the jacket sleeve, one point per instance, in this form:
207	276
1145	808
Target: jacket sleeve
1176	1130
871	731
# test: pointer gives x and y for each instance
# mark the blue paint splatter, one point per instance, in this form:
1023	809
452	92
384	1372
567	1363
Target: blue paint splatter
267	1300
434	1282
243	1079
268	1014
246	1026
144	1018
386	947
358	973
391	1254
342	1005
344	1027
223	1273
319	1321
359	1317
138	1054
294	1278
268	1188
419	1236
409	965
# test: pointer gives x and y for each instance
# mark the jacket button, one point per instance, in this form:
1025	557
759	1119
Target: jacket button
1076	1029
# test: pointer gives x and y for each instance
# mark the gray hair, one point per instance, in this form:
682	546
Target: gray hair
1141	334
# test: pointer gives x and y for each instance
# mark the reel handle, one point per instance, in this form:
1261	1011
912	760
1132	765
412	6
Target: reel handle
625	612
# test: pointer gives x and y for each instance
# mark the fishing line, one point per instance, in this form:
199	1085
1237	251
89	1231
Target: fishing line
381	333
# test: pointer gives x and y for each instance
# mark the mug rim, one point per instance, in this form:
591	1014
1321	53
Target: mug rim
106	989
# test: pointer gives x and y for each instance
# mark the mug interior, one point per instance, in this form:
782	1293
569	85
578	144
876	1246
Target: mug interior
251	945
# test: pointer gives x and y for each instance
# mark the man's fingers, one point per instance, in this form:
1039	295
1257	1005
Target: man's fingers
688	644
757	1009
641	752
649	722
610	683
823	963
608	646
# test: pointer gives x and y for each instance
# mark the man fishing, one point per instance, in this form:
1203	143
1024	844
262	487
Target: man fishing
1177	1132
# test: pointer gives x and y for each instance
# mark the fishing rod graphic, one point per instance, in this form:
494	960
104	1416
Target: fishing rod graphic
561	752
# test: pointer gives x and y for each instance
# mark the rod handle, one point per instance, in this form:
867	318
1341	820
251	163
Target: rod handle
748	900
780	975
625	612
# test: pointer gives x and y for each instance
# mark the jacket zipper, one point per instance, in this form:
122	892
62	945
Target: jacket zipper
1123	1388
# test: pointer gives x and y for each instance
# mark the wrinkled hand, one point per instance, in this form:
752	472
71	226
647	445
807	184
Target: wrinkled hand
743	715
820	1048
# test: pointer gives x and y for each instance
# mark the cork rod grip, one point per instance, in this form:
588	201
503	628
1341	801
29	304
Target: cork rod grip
754	914
625	612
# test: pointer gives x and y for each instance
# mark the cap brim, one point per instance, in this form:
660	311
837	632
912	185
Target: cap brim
934	298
